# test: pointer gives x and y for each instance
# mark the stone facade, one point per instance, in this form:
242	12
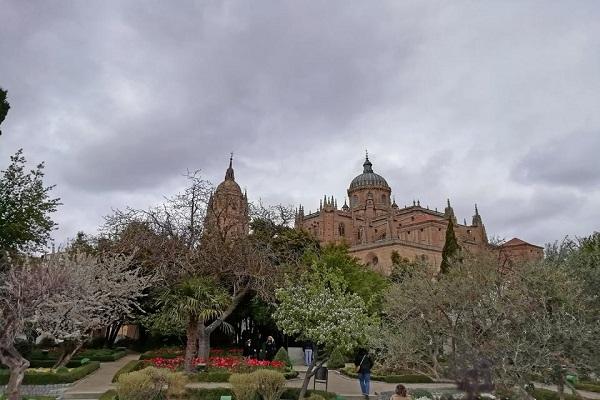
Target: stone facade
373	226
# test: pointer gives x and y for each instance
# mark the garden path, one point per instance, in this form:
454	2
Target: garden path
98	382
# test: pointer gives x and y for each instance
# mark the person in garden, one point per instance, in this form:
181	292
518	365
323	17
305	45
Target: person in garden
364	363
249	350
308	348
270	348
400	393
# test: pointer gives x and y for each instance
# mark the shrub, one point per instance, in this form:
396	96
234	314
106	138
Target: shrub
293	393
243	386
315	396
153	383
282	355
135	386
418	393
84	361
336	360
270	384
62	370
589	386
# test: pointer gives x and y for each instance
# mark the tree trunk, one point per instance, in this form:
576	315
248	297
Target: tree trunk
561	390
113	331
10	357
310	372
190	348
204	342
68	353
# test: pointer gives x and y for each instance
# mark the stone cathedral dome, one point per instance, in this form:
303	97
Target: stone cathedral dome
368	178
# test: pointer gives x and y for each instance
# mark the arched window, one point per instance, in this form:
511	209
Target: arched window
384	199
354	201
342	229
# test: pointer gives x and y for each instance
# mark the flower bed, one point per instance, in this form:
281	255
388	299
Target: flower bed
231	363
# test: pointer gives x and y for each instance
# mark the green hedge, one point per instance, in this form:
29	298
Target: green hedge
131	366
216	393
103	355
588	386
216	375
50	363
3	397
404	378
33	377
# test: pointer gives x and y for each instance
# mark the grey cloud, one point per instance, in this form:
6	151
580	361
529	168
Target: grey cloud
570	160
466	101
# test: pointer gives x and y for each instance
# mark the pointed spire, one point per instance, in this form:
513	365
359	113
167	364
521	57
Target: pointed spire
367	166
477	221
419	203
229	174
465	222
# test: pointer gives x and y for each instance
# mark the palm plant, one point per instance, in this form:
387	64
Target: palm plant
188	304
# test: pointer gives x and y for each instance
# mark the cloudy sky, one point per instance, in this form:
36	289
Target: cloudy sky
491	102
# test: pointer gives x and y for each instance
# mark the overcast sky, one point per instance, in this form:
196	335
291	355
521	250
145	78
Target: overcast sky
490	102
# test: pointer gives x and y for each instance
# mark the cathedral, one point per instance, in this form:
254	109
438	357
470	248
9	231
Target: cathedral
374	226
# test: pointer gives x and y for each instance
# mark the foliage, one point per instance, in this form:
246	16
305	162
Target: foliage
151	383
358	279
108	395
244	386
48	376
451	248
320	308
195	298
403	268
336	359
283	356
269	384
4	106
25	207
527	319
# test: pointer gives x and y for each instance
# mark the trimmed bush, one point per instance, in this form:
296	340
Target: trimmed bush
544	394
131	366
336	360
283	356
53	377
315	396
243	386
270	384
418	393
212	376
208	394
151	383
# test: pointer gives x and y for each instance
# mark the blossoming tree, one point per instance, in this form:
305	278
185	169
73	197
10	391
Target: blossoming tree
320	308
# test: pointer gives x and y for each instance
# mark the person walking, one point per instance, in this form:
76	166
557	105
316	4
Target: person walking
364	363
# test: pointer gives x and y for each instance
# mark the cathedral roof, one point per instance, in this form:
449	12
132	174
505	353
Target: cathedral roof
229	184
368	178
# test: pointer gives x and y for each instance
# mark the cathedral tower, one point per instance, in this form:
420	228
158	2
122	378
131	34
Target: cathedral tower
228	207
